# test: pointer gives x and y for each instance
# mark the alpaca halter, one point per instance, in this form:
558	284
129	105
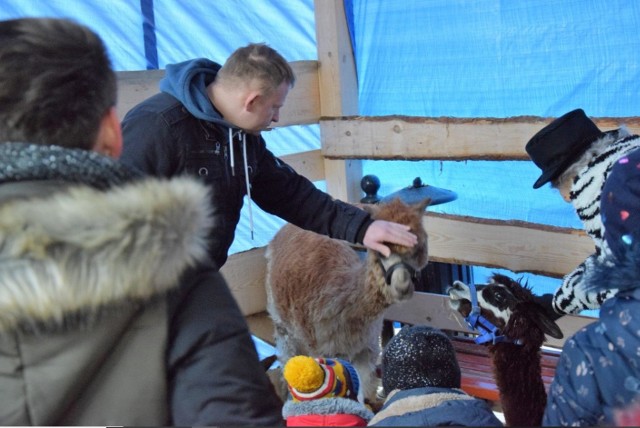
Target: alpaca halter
488	331
388	273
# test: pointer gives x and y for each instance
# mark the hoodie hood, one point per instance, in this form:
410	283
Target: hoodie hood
188	81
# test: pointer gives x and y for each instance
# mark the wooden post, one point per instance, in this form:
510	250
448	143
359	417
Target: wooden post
338	91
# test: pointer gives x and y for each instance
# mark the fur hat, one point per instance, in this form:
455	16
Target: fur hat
419	356
561	143
313	378
620	203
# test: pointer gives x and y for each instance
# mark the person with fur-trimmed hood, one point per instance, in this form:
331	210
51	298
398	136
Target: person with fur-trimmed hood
598	373
110	312
576	157
421	380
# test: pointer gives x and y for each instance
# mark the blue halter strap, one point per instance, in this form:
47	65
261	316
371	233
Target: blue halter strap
487	331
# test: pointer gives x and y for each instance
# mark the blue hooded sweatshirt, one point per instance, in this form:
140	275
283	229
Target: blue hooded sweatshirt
187	81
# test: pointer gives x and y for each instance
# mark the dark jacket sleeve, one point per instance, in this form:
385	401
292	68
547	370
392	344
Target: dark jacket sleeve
148	143
215	376
281	191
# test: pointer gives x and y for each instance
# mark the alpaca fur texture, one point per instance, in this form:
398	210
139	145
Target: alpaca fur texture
324	299
82	249
510	306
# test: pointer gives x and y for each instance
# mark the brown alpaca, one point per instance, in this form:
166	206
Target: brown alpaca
325	300
510	307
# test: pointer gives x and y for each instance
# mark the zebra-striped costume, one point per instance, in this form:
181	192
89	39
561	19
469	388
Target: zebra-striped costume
571	297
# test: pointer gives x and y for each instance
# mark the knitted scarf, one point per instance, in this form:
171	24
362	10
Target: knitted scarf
24	161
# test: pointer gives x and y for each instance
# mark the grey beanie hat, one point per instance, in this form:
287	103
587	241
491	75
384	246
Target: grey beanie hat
419	356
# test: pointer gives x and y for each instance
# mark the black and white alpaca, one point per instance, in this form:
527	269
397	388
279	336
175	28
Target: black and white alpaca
593	169
510	307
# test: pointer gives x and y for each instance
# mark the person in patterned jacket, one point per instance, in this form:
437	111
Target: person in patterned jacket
598	374
576	157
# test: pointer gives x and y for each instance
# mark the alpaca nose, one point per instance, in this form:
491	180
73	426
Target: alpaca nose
403	280
403	276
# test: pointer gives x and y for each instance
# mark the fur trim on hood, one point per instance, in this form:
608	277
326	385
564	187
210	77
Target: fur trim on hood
83	249
326	406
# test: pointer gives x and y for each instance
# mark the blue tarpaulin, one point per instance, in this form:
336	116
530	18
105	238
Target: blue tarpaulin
459	58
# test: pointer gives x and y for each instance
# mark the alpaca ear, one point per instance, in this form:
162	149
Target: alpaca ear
370	208
547	325
422	205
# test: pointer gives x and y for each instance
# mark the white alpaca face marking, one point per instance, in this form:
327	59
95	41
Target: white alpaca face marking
495	301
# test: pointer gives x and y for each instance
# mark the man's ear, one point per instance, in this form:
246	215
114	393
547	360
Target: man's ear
109	139
252	99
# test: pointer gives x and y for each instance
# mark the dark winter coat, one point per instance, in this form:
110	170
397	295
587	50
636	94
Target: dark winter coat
599	369
178	131
96	325
431	406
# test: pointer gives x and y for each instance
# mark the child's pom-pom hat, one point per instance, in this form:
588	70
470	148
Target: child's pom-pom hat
313	378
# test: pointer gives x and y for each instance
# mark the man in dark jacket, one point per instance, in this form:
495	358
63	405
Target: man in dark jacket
206	121
110	311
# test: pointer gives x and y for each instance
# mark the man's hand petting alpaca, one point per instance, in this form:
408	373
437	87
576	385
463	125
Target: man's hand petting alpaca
381	231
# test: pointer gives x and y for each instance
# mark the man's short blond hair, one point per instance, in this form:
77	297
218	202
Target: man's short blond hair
257	61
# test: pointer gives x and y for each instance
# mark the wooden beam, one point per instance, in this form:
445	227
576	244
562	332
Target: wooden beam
517	246
514	245
445	138
338	91
338	79
302	106
428	309
310	164
343	179
247	285
303	102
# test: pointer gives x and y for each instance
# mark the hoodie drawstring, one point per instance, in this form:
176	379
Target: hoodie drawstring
246	171
246	176
233	164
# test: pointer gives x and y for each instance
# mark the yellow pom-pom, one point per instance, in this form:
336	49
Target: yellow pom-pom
303	373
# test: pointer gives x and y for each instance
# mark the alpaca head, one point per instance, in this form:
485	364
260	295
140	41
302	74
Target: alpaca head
509	306
401	269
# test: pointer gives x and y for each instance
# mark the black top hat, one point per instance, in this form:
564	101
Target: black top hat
561	143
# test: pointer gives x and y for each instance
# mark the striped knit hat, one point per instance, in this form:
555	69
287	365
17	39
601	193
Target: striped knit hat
313	378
